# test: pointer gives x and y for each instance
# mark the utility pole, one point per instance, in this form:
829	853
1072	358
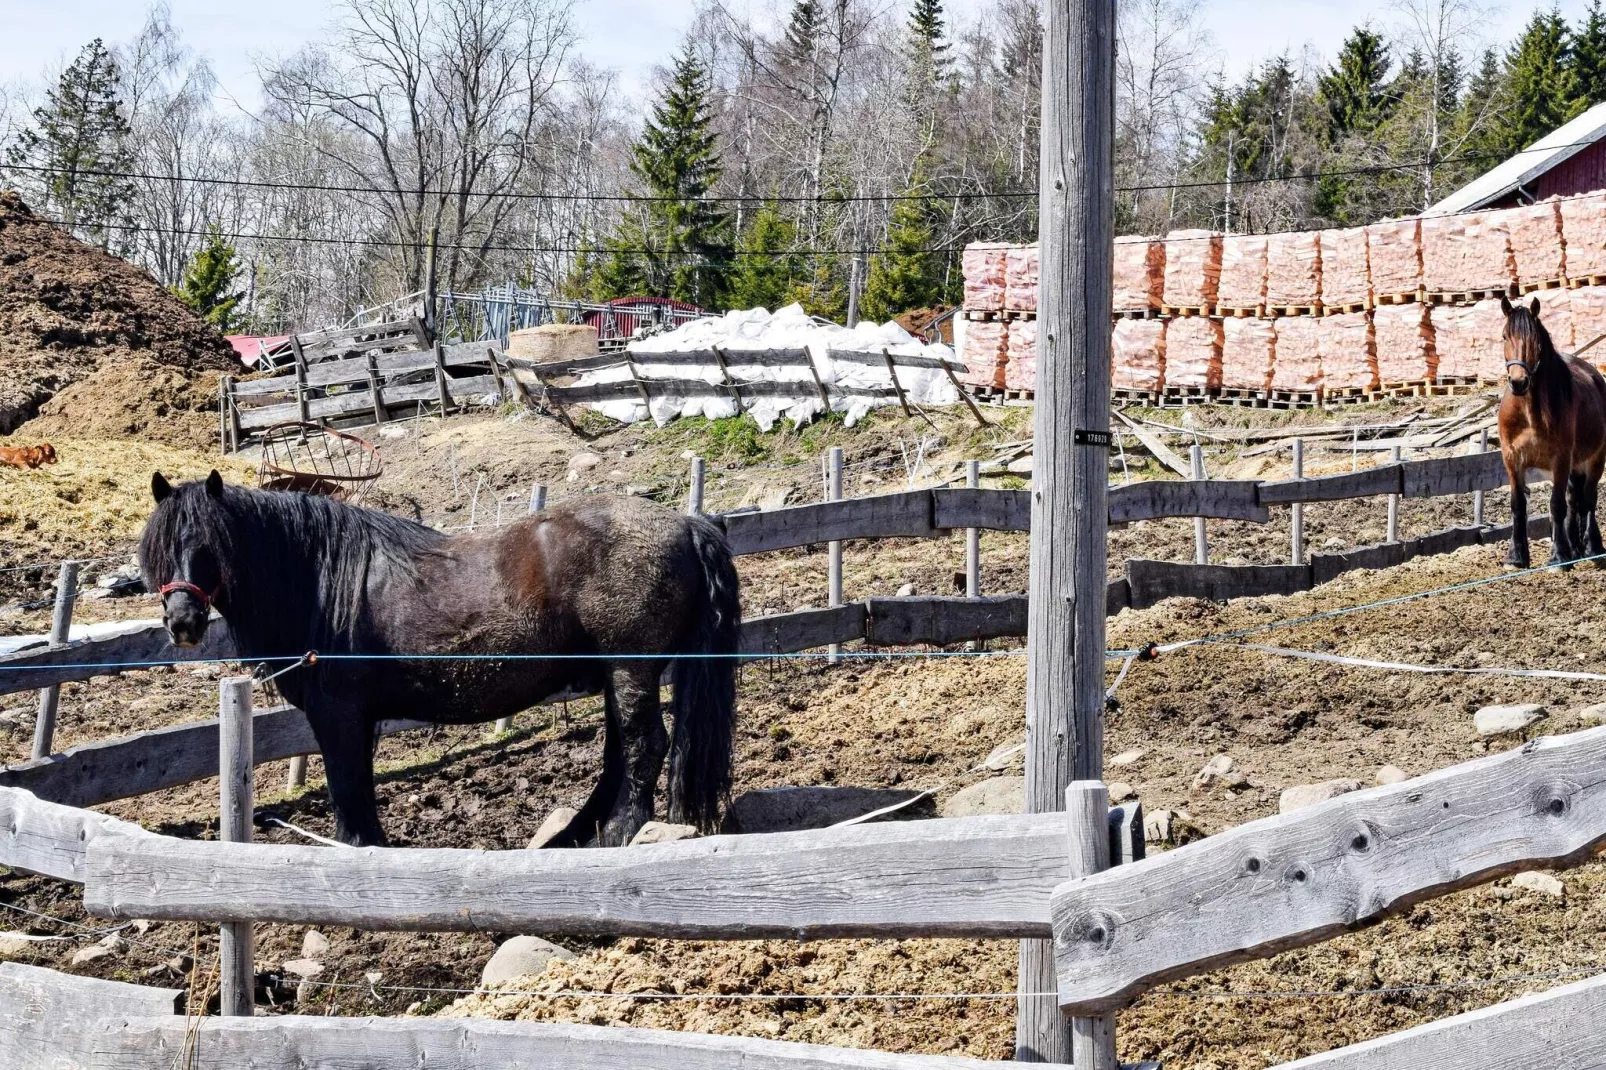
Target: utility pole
1070	508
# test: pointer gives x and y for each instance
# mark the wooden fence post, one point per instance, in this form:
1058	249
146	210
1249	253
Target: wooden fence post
375	397
44	725
1201	539
1297	510
973	545
235	767
444	394
1393	534
1087	820
537	497
231	414
694	498
833	493
303	405
223	415
1477	495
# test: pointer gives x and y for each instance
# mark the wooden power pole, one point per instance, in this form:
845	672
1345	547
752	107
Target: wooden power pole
1070	468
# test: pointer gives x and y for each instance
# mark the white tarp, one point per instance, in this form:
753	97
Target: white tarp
789	328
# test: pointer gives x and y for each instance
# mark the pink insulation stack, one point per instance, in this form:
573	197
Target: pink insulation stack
1020	278
1402	337
1247	346
1192	268
1193	352
1394	257
1587	306
1139	273
1556	313
1345	278
1466	252
1297	364
1293	268
1467	340
1536	249
1583	232
983	265
1345	343
1020	371
1243	272
982	348
1137	354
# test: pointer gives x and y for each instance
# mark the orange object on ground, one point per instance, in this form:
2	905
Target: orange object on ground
981	347
1020	370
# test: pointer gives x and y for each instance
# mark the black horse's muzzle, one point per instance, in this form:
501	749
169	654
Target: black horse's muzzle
186	612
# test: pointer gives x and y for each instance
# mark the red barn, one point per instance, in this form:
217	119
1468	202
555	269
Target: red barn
1570	159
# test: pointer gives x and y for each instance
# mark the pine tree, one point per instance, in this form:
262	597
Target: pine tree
1540	84
905	276
927	27
79	145
1477	124
685	236
767	275
1354	91
1589	56
208	284
802	33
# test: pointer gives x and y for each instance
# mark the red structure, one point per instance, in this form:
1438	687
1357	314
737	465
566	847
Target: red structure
623	316
1569	160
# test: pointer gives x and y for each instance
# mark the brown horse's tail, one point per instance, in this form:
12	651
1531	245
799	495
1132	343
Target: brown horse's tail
704	701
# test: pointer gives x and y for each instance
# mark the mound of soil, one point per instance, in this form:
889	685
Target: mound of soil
72	314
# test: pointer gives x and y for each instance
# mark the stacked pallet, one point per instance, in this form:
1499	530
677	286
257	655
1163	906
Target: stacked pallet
1402	337
1294	271
1192	271
1467	340
1137	354
1247	348
1139	274
1468	254
1241	288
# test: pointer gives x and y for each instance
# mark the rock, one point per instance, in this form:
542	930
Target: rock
999	795
1020	466
1392	774
1334	543
1506	720
1174	827
315	945
774	499
1127	757
1003	756
306	969
522	956
1539	881
306	992
555	822
906	591
584	461
1302	795
792	809
687	455
662	832
1121	791
92	953
1595	714
149	704
13	946
1219	772
113	943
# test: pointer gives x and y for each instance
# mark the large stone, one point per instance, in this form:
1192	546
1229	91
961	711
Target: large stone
662	832
1127	757
1302	795
555	822
1535	880
15	946
793	809
1004	756
1507	720
306	969
92	953
1171	827
522	956
315	945
1218	772
1392	774
999	795
1120	791
1595	714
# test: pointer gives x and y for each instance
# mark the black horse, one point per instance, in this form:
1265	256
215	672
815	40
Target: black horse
617	589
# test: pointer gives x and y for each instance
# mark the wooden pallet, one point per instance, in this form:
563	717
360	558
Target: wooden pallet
1012	314
1411	297
1467	297
1176	397
1544	284
1243	397
1136	314
983	315
1295	310
1402	388
1353	306
1185	310
1586	280
1148	399
1346	395
1234	312
1294	399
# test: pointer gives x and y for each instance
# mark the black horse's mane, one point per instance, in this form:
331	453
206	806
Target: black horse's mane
1552	382
293	567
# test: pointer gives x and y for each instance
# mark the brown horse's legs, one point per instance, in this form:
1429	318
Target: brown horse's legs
1560	527
1591	500
346	740
1518	555
1577	513
645	742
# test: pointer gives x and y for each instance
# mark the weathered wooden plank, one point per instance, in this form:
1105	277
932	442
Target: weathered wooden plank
42	1012
1453	475
355	370
1155	446
974	876
332	335
337	405
48	838
1442	542
879	356
1367	483
1117	596
1296	879
295	1042
1225	499
1154	581
907	514
944	620
143	642
630	389
1540	1031
996	510
1326	567
806	629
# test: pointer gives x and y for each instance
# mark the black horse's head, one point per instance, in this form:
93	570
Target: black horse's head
185	555
1526	342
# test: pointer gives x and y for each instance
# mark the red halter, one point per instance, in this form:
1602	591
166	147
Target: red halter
189	588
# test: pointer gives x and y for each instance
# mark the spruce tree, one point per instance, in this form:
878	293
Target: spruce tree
802	33
1354	91
79	143
1540	84
768	272
904	276
674	242
1589	56
208	284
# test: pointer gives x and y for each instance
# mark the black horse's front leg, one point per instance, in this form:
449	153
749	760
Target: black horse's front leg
1518	555
587	824
644	742
346	738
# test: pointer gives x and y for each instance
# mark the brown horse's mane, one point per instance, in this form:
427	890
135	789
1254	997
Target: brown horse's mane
1550	393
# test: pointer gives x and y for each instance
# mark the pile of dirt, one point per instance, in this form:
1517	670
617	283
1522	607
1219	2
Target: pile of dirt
916	320
93	345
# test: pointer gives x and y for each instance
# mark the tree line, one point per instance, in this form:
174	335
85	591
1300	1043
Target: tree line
845	144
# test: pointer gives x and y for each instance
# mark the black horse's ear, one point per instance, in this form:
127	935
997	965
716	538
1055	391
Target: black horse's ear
1505	304
214	485
1534	307
161	489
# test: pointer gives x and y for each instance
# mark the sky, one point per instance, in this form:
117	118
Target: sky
629	36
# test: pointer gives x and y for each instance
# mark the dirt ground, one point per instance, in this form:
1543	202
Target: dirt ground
925	724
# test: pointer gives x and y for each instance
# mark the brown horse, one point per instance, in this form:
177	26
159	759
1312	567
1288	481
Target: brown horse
595	594
28	456
1553	418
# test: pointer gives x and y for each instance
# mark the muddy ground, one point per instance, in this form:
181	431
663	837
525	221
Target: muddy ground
928	724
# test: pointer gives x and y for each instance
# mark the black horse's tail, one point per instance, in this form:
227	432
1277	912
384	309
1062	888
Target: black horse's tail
704	701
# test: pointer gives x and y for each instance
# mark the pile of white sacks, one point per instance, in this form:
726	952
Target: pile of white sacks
788	328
